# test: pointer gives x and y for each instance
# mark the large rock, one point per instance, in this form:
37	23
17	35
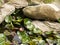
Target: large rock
46	25
43	11
6	10
18	3
41	26
53	25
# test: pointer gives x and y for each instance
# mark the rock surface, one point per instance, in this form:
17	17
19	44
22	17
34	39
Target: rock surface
35	1
46	25
6	10
43	11
53	25
41	26
19	3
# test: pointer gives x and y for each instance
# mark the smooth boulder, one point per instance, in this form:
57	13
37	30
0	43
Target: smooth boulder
43	11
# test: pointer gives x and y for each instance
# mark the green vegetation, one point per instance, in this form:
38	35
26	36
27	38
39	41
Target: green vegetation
28	35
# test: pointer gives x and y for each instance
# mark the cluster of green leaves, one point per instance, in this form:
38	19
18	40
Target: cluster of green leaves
24	37
12	20
31	27
3	40
50	36
31	35
9	24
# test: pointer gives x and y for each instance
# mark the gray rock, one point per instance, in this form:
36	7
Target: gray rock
46	25
42	11
41	25
18	3
53	25
6	10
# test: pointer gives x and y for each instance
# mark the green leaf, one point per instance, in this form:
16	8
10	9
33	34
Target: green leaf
37	31
57	36
23	36
8	19
48	32
58	41
41	42
19	19
2	38
27	21
5	43
59	20
30	26
9	26
32	43
7	33
17	23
